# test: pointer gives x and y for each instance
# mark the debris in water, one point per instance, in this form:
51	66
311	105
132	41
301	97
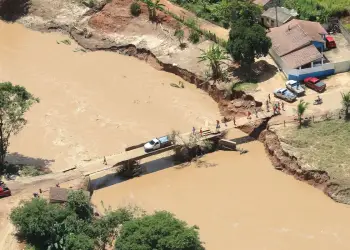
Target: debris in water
66	42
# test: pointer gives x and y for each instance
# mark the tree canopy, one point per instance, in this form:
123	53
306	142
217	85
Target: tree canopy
71	227
247	39
161	231
15	100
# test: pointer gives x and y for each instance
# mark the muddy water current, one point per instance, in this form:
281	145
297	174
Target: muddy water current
94	104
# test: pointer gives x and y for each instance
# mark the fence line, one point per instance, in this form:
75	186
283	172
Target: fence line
308	119
344	31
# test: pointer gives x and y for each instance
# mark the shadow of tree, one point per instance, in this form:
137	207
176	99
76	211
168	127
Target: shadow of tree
11	10
19	159
261	71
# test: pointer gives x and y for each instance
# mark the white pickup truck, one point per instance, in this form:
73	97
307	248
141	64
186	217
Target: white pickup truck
157	143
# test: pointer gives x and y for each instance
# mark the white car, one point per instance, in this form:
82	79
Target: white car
157	143
295	87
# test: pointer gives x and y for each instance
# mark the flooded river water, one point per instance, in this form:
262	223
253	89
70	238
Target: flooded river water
239	202
94	104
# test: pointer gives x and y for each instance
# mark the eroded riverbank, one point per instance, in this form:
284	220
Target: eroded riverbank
237	198
94	104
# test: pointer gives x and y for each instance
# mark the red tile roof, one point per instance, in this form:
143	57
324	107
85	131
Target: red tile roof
293	42
301	57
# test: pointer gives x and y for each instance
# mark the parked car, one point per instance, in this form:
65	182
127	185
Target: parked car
330	42
285	94
4	190
157	143
315	84
295	87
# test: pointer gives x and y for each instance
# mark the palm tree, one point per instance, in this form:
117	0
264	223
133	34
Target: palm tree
301	108
215	55
346	103
153	7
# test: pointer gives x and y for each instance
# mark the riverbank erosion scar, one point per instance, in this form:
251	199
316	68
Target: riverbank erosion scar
285	161
96	42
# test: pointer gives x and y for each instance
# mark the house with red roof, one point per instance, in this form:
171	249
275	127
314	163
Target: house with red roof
298	44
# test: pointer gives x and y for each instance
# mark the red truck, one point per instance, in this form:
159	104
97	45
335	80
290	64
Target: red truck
330	42
315	84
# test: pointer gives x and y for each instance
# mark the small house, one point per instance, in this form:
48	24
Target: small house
277	16
264	3
298	45
60	195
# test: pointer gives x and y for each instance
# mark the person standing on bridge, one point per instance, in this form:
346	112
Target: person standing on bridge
217	125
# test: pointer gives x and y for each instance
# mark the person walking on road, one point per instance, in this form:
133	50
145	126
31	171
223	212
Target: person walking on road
282	106
217	125
234	120
193	130
201	132
104	160
269	96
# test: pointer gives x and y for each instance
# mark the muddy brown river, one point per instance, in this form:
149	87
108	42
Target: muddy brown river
94	104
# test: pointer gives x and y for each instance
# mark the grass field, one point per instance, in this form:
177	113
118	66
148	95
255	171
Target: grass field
324	146
318	10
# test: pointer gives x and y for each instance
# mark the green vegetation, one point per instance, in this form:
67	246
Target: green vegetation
72	226
161	231
189	23
32	171
318	10
301	108
245	86
153	7
323	146
347	26
15	101
194	37
89	3
135	9
215	56
248	38
217	12
180	35
346	103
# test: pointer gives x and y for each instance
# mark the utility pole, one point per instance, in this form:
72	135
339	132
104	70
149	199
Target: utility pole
276	5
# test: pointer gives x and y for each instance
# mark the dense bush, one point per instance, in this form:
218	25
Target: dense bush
44	225
194	36
135	9
319	10
79	202
161	231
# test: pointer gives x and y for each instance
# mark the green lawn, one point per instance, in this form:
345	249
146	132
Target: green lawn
324	146
245	86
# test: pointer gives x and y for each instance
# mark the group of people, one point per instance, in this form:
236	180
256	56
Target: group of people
277	106
217	126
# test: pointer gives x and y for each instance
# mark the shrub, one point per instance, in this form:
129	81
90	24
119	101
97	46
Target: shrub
90	3
79	202
135	9
31	171
79	241
194	37
161	231
34	220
